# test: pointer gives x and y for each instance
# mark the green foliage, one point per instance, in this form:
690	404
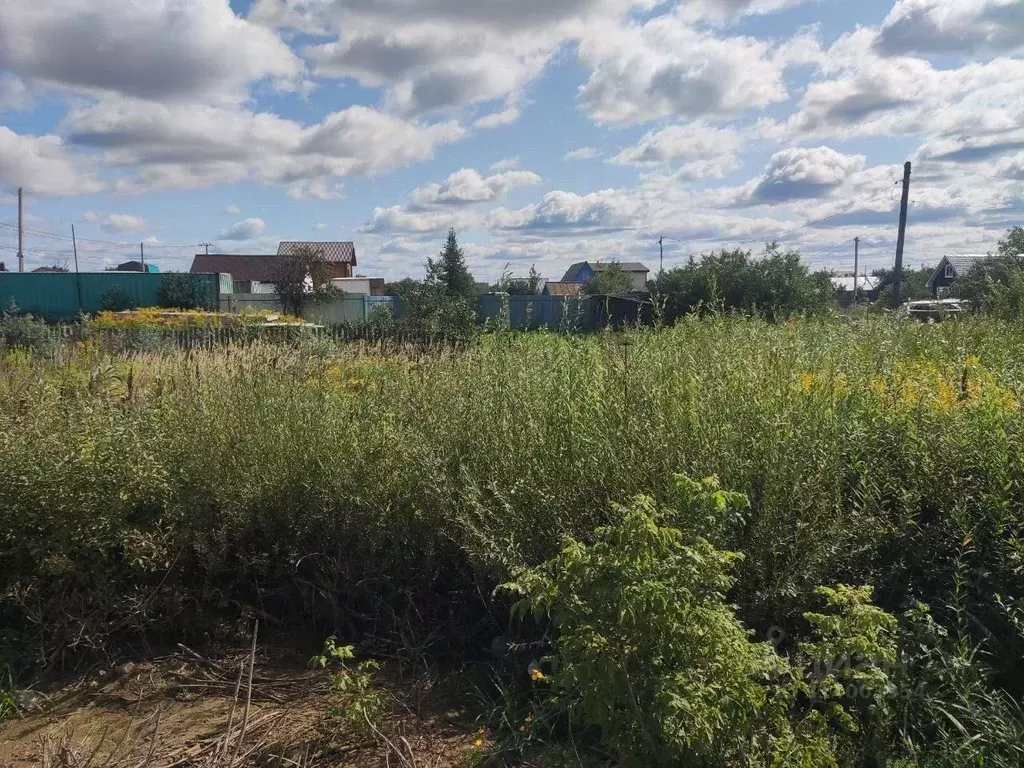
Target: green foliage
429	311
177	291
612	280
302	278
354	699
449	270
995	285
648	652
23	331
115	299
913	285
521	286
380	489
777	285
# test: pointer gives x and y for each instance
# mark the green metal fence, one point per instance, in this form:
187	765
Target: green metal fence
56	296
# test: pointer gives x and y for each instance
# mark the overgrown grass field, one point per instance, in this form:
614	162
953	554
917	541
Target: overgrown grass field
384	492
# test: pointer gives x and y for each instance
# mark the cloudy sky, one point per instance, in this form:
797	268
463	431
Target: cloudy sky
544	131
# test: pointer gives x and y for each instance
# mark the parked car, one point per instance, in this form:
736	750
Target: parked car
935	310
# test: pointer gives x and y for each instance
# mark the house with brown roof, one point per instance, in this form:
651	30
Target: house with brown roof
340	256
255	273
553	288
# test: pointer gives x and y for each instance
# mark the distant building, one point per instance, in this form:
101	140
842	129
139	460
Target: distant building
949	269
255	273
867	288
136	266
563	289
583	272
249	273
340	256
52	270
367	286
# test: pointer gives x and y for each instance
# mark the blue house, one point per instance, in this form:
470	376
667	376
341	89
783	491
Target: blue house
583	271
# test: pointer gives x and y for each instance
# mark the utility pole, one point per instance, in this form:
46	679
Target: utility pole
856	260
21	237
901	238
78	276
207	247
661	258
142	256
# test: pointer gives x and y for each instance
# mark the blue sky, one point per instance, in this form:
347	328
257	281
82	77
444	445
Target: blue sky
546	133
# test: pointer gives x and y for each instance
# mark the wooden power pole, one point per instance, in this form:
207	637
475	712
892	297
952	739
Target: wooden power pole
856	260
901	238
21	236
142	256
78	276
661	258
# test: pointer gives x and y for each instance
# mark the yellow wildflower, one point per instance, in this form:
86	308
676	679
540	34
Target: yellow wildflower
478	743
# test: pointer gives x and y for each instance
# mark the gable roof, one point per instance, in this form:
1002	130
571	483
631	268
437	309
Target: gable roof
572	274
961	263
563	289
845	283
262	269
335	251
625	266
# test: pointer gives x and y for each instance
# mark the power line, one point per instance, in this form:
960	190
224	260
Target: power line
120	244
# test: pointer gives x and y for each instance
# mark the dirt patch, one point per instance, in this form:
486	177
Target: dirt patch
184	710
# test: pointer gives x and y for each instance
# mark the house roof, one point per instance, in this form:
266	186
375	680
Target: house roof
563	289
262	269
55	270
336	251
572	274
625	266
961	263
845	283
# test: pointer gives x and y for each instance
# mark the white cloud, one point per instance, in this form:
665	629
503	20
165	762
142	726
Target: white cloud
319	226
952	26
505	164
664	67
467	186
560	213
43	166
123	222
204	145
863	93
315	189
246	229
232	208
166	49
14	95
583	153
801	173
699	149
90	216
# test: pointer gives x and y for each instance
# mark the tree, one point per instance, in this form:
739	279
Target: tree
775	286
995	285
301	278
177	291
913	285
612	280
429	311
449	270
523	286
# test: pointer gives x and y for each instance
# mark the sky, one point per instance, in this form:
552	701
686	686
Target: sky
545	131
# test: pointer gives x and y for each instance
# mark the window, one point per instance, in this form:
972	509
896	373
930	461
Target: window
950	272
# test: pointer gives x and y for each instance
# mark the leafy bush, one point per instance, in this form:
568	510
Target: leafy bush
177	291
23	331
776	285
648	653
115	299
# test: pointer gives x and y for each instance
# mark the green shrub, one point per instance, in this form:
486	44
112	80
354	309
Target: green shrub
177	291
115	299
648	653
22	331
